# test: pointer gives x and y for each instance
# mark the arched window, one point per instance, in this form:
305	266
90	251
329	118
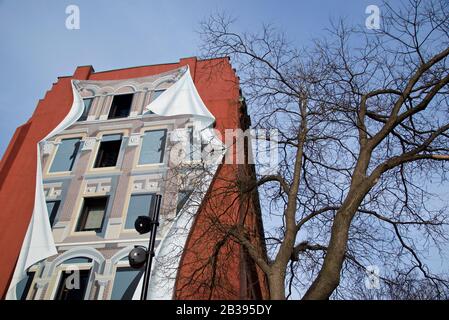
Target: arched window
126	280
73	279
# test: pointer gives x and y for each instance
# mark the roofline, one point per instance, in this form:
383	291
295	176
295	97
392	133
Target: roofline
143	66
135	67
157	64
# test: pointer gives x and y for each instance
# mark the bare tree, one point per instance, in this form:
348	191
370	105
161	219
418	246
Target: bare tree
363	121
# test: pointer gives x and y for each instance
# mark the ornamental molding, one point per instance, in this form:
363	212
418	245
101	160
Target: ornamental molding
101	186
145	183
134	139
102	280
52	190
48	147
89	144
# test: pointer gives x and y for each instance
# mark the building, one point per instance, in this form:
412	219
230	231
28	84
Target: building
106	168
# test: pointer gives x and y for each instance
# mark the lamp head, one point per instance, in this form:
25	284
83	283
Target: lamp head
137	257
143	224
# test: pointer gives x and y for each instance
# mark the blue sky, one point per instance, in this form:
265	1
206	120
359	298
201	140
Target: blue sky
36	47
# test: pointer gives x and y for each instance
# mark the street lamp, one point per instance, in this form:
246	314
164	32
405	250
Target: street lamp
140	256
137	257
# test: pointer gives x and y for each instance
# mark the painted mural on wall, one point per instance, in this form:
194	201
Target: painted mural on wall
101	168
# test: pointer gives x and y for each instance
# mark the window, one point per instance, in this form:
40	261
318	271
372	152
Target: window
139	205
183	196
87	105
108	151
65	155
52	208
153	147
92	214
156	94
125	283
77	260
121	105
67	289
24	286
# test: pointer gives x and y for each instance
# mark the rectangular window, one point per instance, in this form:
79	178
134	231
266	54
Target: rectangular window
66	288
125	283
87	105
183	196
24	286
156	94
52	208
65	155
108	151
153	146
121	106
92	214
139	205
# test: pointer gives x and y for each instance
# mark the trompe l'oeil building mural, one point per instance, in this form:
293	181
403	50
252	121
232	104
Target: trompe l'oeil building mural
105	145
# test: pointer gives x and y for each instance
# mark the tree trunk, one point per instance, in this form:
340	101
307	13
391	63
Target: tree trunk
277	285
329	275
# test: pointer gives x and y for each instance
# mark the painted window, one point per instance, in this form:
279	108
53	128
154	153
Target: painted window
52	208
77	260
24	286
87	105
139	205
153	146
108	151
65	155
92	214
183	196
156	94
125	283
121	106
67	289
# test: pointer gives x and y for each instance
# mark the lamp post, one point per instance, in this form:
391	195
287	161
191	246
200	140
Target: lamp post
139	256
